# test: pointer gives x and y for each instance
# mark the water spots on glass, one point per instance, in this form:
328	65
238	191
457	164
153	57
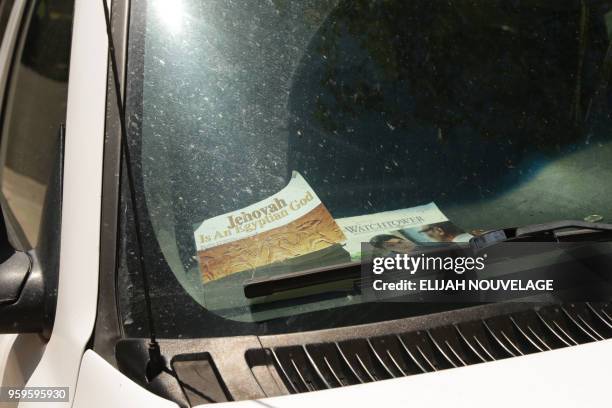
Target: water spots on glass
379	104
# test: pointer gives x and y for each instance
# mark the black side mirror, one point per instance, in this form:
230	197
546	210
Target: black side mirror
28	280
13	275
21	295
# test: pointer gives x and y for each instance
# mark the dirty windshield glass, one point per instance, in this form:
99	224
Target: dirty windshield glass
275	136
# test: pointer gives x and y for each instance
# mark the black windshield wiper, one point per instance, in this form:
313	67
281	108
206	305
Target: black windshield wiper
556	231
269	285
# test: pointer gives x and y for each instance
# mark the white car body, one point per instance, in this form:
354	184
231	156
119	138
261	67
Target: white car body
543	379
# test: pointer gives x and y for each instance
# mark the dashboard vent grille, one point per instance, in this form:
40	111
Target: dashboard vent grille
310	367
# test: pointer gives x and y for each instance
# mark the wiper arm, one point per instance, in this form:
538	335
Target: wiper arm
556	231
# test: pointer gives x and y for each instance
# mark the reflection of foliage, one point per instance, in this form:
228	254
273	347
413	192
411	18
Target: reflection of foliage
47	47
499	69
312	12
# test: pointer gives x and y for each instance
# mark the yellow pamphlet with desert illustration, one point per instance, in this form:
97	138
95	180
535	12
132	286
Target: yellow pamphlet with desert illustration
287	225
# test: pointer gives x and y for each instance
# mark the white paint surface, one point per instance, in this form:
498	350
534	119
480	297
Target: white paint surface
78	280
572	377
101	386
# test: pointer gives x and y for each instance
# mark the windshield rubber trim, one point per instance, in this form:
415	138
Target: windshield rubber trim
108	328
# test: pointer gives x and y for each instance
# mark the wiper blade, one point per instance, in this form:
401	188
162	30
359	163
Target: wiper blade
556	231
269	285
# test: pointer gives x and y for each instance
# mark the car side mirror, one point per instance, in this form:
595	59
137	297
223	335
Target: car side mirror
28	279
22	295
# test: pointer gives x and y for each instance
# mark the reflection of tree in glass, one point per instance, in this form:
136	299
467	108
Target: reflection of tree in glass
488	65
398	103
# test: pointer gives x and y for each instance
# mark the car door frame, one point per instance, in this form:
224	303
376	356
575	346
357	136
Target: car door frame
81	201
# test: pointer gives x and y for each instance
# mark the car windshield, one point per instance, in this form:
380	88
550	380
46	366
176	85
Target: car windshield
484	113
